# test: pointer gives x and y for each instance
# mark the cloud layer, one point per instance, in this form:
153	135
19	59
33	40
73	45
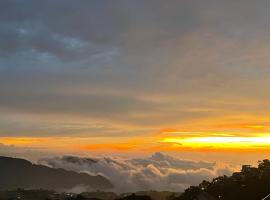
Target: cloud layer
158	172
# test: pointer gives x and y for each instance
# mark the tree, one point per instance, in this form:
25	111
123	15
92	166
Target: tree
264	165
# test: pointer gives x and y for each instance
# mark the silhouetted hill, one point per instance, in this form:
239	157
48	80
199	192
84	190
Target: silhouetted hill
135	197
20	173
251	183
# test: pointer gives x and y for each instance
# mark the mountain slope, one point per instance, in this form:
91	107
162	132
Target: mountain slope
20	173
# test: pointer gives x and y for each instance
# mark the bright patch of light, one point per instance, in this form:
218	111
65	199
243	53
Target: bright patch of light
222	142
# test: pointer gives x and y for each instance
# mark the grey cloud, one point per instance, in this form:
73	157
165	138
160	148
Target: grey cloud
24	152
119	108
158	172
84	104
56	54
67	30
19	126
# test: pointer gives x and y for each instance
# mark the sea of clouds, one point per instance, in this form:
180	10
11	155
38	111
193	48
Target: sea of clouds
157	172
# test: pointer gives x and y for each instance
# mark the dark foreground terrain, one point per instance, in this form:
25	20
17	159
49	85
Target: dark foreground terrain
21	194
251	183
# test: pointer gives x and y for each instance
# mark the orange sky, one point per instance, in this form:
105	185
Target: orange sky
257	139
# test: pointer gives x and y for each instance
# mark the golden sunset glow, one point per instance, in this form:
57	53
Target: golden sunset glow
167	141
221	142
23	141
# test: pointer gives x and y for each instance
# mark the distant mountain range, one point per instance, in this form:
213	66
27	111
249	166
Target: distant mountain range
20	173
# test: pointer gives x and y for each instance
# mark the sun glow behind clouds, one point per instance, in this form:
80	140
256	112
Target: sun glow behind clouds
221	142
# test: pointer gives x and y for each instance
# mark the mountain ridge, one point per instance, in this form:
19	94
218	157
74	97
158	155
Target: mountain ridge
21	173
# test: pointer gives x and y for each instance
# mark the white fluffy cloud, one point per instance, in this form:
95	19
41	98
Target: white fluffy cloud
158	172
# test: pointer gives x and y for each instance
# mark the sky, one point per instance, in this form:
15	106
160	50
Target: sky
189	78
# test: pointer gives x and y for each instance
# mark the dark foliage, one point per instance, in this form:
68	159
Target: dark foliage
21	194
135	197
252	183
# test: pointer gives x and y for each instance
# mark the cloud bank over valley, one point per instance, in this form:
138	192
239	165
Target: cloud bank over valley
157	172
